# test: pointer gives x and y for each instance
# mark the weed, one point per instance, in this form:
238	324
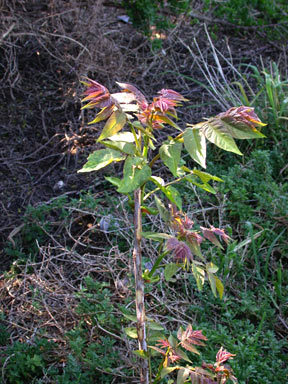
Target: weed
147	13
261	13
25	362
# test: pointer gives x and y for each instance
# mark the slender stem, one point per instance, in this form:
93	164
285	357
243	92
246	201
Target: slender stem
139	286
155	158
146	144
137	142
166	185
157	263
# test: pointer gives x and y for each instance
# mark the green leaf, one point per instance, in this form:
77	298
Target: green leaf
158	181
206	177
215	133
216	285
141	353
212	268
195	248
182	354
173	195
219	287
212	282
195	144
146	209
155	326
170	192
135	174
102	115
156	236
170	270
121	146
131	332
182	375
155	336
146	131
113	125
100	159
172	341
113	180
166	120
127	314
163	211
199	275
127	137
205	186
165	371
170	154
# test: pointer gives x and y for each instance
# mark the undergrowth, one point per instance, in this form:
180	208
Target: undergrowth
261	13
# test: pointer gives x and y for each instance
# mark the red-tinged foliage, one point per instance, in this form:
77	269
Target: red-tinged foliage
97	95
245	115
199	377
171	95
140	98
209	233
191	337
194	237
150	115
180	222
223	373
223	355
164	343
170	353
180	249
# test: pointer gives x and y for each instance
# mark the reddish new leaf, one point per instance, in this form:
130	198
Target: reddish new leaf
97	95
192	337
181	250
140	98
223	355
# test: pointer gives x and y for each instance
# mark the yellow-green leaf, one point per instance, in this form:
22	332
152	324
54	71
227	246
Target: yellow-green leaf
195	144
199	275
113	125
141	353
165	371
163	211
121	146
100	159
131	332
182	375
212	268
219	287
102	115
215	133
